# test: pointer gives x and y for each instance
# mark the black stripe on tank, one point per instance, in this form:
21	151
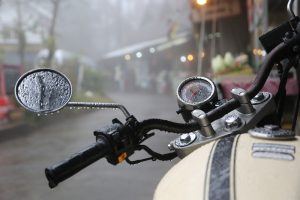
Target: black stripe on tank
207	170
219	180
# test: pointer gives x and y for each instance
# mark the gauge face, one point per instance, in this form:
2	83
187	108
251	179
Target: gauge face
196	90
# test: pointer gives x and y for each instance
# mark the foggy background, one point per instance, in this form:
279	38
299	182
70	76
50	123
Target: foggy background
133	52
93	27
78	34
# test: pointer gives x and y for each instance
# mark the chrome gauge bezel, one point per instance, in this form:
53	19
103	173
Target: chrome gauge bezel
191	106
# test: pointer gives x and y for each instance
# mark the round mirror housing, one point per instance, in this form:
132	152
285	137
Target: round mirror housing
43	90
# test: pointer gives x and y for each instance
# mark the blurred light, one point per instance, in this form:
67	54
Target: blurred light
202	54
152	50
139	54
127	57
183	59
259	52
190	57
201	2
218	34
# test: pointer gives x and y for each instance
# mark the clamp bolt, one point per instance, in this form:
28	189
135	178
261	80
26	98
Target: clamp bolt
185	138
259	97
232	122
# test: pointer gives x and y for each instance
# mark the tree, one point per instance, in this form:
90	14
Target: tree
20	32
51	40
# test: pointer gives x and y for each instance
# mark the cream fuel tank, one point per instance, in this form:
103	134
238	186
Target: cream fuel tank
240	167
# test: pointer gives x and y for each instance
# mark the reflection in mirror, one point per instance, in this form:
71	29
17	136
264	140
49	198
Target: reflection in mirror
43	90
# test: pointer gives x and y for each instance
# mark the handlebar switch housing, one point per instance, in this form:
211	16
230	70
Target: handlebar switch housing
121	138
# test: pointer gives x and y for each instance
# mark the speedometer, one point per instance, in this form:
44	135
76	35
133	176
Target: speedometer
196	91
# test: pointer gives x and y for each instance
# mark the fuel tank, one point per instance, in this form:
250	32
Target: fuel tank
236	167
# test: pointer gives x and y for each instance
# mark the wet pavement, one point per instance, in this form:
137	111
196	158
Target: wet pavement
24	154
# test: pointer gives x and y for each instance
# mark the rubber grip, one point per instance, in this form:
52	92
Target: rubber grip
77	162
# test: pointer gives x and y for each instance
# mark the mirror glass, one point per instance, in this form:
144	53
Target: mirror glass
43	90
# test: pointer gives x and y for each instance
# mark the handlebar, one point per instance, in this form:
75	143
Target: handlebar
274	56
77	162
283	50
120	138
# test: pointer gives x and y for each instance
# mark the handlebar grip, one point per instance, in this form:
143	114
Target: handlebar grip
77	162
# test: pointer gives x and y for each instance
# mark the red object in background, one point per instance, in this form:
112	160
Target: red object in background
9	74
270	86
5	107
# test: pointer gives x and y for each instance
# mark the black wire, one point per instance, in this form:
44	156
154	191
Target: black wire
295	115
274	56
281	92
296	111
158	156
154	155
164	125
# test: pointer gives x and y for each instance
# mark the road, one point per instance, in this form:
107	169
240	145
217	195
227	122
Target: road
25	154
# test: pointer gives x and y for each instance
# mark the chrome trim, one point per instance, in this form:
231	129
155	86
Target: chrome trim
273	151
190	106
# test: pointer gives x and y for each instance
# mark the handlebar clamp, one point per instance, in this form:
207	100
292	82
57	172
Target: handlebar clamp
242	97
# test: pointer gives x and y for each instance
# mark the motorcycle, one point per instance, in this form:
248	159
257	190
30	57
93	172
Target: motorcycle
230	149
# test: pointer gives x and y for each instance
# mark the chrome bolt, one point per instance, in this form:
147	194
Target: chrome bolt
171	147
233	122
259	97
185	138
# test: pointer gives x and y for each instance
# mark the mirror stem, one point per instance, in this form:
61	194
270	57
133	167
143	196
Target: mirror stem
100	105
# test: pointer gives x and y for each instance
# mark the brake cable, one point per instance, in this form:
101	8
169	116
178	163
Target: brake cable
296	111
